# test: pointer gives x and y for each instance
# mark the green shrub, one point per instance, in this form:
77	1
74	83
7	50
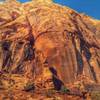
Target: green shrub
29	86
64	89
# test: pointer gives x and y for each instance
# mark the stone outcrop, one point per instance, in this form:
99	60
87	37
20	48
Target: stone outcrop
48	44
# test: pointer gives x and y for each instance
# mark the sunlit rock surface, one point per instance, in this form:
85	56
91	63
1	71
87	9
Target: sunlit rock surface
47	44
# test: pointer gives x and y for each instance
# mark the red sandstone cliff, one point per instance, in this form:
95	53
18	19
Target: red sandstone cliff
48	44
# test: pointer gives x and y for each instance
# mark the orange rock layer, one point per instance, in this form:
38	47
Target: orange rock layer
47	42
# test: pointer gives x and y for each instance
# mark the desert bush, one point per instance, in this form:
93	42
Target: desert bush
29	86
64	89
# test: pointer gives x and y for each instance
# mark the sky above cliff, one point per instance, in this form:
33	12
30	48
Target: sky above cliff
89	7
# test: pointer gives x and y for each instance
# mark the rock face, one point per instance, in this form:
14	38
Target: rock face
49	44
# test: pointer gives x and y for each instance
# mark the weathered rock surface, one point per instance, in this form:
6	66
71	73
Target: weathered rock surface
47	44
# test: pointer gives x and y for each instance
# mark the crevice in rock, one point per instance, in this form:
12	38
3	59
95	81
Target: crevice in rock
56	81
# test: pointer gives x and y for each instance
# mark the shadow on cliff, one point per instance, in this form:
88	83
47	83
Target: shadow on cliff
87	55
57	82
